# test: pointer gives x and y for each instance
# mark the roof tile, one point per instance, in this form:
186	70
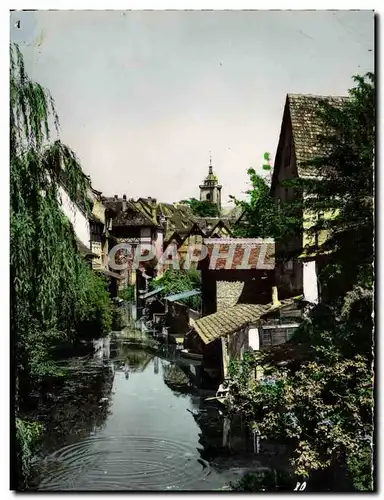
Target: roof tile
306	125
232	319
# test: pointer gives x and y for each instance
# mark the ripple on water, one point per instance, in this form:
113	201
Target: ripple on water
124	463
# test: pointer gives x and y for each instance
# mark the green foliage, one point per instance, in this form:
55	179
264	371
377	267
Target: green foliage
267	480
27	434
319	400
93	307
55	297
342	182
203	208
177	281
266	164
360	468
322	410
262	218
128	294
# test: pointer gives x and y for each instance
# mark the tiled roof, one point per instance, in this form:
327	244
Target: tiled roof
232	319
256	245
149	212
306	125
136	213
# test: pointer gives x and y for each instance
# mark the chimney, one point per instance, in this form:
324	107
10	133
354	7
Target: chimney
275	297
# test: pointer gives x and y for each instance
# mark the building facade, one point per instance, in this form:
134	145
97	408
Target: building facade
298	145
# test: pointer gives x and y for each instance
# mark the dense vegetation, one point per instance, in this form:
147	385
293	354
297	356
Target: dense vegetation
261	216
317	392
203	208
176	281
55	296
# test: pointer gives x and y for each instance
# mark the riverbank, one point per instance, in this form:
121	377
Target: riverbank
116	424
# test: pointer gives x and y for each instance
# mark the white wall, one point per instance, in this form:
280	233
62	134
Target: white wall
79	221
159	243
310	282
254	339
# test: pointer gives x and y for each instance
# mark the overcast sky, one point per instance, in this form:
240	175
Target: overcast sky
144	96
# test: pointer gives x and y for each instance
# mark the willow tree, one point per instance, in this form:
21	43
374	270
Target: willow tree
50	282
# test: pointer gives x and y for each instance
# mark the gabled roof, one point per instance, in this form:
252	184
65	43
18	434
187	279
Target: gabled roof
232	319
136	213
306	125
300	113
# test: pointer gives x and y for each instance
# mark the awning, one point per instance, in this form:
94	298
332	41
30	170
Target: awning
182	295
109	273
154	292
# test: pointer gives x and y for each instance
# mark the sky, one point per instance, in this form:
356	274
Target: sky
143	97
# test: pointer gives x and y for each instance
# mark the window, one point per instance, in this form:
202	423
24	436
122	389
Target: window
208	197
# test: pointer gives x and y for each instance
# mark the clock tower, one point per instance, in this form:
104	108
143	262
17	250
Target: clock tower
210	190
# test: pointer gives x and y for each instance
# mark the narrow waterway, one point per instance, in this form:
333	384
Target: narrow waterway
130	430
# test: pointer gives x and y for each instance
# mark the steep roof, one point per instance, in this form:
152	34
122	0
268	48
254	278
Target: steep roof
306	125
232	319
255	246
136	213
179	217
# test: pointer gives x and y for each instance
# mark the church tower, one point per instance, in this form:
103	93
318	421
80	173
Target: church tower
210	190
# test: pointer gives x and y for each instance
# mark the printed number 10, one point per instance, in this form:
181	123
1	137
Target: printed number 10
300	486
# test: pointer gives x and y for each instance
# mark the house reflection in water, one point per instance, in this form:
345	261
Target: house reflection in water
156	366
102	348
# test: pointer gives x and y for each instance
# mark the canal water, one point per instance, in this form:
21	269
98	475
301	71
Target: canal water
126	420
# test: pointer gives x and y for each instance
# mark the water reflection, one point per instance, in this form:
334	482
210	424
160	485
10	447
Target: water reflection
134	425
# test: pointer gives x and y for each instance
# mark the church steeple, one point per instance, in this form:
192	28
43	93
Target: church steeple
210	171
210	190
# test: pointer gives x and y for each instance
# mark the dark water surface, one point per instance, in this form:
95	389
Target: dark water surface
130	430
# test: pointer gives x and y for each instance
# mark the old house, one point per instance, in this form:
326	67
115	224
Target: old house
297	144
135	223
236	270
100	223
227	334
91	226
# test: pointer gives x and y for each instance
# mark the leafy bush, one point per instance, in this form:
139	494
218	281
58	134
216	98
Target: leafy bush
128	294
203	208
94	307
177	281
27	434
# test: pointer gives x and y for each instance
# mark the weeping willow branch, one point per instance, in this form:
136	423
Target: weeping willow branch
55	296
